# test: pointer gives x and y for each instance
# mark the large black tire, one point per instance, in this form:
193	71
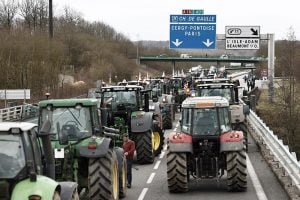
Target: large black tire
144	151
177	172
158	140
236	171
103	181
167	120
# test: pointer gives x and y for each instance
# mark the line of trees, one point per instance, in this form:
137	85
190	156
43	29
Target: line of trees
286	106
89	51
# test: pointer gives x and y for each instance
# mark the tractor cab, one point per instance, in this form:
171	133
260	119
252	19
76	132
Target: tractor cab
205	116
22	164
16	161
218	87
121	101
71	119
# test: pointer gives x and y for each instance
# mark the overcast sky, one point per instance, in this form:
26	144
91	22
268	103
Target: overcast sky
149	19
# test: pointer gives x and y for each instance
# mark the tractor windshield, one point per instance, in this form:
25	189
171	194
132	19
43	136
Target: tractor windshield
120	97
223	92
205	121
12	159
75	123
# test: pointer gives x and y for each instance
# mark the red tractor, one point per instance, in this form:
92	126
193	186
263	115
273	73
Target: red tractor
206	147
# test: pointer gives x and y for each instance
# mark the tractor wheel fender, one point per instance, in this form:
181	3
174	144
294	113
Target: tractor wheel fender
100	151
180	142
43	187
141	123
232	141
69	191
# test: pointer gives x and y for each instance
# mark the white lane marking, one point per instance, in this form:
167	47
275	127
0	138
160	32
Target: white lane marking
150	178
156	164
175	129
143	193
261	195
162	154
165	147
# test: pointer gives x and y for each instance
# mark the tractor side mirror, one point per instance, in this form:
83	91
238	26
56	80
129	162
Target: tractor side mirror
246	110
46	127
245	93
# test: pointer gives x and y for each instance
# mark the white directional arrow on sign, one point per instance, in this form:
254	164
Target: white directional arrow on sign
177	42
207	43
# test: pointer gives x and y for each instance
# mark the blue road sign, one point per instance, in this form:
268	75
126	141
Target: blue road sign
191	36
193	18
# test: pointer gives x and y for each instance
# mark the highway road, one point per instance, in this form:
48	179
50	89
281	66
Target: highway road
150	181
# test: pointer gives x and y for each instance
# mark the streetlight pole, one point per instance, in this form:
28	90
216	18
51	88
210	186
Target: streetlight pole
50	19
137	50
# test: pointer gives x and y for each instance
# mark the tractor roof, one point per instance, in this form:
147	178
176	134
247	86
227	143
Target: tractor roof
68	102
24	126
122	88
216	85
213	81
205	102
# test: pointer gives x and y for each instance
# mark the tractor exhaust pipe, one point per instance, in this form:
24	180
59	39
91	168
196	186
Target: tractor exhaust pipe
146	108
45	136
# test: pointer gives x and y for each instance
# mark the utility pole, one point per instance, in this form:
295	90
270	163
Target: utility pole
271	55
50	19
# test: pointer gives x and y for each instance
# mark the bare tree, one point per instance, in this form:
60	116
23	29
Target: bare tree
26	12
8	11
289	109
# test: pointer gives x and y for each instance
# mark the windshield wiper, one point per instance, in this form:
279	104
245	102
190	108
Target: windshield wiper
74	117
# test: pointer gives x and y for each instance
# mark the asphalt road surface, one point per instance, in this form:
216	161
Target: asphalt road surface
150	181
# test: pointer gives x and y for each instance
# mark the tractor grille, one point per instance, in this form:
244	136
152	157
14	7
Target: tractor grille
58	167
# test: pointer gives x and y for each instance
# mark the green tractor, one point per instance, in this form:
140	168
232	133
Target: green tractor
84	151
127	108
26	169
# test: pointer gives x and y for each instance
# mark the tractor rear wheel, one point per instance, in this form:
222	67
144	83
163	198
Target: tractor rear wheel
158	139
167	120
236	171
103	181
177	172
144	151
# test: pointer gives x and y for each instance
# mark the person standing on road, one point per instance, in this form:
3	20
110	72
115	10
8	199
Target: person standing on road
129	148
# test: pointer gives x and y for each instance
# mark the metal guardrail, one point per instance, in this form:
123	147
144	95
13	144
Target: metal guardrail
287	160
18	113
